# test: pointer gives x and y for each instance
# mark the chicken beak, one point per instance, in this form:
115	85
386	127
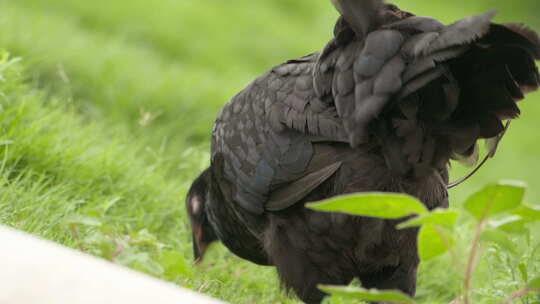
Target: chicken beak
199	245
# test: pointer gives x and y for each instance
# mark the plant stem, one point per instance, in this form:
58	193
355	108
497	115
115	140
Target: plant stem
451	249
473	255
77	237
471	264
517	295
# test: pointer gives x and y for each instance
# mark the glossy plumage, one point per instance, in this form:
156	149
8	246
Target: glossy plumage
383	107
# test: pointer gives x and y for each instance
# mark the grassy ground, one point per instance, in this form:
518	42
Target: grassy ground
107	118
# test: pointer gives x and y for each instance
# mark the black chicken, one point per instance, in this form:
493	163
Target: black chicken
384	107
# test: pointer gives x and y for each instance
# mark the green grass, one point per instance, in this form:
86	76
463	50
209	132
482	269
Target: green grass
107	119
103	191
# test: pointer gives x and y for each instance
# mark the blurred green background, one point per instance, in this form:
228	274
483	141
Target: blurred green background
164	68
112	112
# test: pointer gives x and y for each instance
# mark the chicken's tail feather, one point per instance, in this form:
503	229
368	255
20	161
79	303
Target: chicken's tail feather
362	15
494	77
477	92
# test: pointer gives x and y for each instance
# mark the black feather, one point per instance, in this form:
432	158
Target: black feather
390	100
362	15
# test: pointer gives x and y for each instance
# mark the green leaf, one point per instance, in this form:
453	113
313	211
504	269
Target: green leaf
499	238
523	271
151	267
140	261
175	265
108	204
82	220
440	217
528	213
145	238
496	199
433	241
373	204
511	224
534	284
368	295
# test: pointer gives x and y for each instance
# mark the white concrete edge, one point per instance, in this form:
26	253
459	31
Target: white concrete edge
34	270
